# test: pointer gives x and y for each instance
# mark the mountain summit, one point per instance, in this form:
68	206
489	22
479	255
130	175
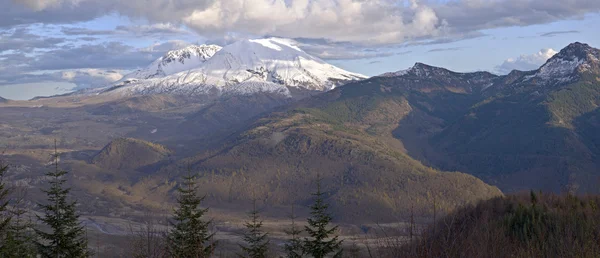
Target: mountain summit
568	65
175	61
244	67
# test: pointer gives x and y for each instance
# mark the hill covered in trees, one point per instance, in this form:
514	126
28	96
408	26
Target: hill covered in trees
534	225
363	173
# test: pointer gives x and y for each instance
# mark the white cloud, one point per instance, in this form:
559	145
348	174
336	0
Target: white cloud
373	22
85	78
526	62
358	21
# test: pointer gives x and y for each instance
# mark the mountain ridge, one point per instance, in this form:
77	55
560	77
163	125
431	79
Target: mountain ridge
529	129
511	132
174	61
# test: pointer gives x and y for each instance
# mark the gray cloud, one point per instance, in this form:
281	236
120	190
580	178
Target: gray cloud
160	29
444	49
107	55
466	16
12	65
336	20
16	12
342	54
78	31
24	12
83	78
154	30
555	33
328	50
339	20
447	39
88	38
161	48
84	65
22	40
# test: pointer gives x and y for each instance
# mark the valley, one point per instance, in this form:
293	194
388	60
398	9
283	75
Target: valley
264	124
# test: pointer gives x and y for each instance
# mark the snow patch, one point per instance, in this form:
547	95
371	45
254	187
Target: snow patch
395	74
173	62
558	68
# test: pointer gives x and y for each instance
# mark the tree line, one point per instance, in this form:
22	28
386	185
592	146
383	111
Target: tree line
59	232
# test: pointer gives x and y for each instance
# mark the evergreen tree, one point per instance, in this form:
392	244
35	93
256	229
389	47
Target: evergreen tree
20	238
293	247
322	242
16	239
190	237
257	244
5	216
66	237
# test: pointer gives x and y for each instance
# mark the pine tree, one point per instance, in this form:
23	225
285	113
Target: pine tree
66	237
20	238
5	216
190	237
322	242
293	247
16	239
257	244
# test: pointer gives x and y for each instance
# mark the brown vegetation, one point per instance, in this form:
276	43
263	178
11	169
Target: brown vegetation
129	153
535	225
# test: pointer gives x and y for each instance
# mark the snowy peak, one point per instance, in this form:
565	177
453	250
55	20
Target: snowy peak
244	67
578	51
174	61
421	70
568	65
273	60
185	55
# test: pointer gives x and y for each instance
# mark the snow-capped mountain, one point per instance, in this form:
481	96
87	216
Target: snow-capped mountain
174	61
423	76
568	65
244	67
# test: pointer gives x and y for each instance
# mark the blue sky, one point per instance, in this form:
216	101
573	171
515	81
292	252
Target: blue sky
54	46
486	52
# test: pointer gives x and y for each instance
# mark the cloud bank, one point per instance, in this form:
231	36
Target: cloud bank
364	22
526	62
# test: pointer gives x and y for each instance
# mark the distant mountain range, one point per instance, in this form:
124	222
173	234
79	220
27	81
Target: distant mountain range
528	129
